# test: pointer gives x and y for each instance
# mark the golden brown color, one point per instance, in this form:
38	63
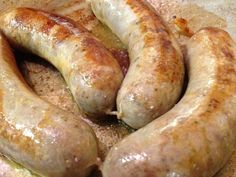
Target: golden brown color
48	83
89	69
198	13
197	137
38	135
155	77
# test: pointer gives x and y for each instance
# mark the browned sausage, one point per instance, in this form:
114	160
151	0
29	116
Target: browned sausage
89	69
38	135
154	80
197	137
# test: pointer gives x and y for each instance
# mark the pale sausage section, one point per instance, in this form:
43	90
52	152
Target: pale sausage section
38	135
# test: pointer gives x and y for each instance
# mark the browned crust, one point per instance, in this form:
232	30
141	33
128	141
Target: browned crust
95	52
159	36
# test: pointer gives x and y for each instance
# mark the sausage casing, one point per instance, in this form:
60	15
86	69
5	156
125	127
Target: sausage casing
38	135
197	137
89	69
154	80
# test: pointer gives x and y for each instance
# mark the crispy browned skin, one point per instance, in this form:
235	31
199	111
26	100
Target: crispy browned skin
197	137
154	80
38	135
90	70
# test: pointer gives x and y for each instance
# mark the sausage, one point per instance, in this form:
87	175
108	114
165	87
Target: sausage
89	69
197	136
155	77
38	135
11	169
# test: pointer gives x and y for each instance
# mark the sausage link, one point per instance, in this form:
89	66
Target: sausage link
89	69
197	137
38	135
11	169
154	80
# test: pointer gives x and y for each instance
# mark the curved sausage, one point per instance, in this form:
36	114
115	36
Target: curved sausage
154	80
198	135
89	69
38	135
